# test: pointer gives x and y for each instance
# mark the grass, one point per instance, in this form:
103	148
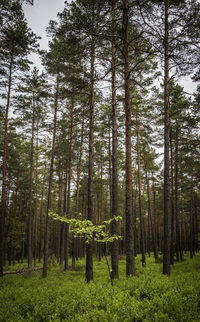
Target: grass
64	296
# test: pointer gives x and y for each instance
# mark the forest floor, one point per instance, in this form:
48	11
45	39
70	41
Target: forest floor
65	296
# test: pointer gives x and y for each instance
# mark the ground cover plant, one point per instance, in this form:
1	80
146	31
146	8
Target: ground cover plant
65	296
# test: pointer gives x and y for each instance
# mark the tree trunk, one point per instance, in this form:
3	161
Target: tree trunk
155	251
167	237
30	214
46	233
89	248
79	240
36	203
142	243
178	237
59	224
69	180
114	196
4	170
63	246
41	213
172	201
130	259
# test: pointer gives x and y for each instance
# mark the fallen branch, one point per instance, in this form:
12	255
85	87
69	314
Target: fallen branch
23	270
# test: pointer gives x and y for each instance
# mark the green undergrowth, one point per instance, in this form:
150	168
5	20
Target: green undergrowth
64	296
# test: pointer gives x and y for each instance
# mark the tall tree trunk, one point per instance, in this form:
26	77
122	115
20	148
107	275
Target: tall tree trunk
89	248
178	237
172	200
69	179
46	233
114	203
142	243
30	214
192	230
155	251
79	167
41	213
167	237
63	242
130	259
59	224
79	241
36	203
4	170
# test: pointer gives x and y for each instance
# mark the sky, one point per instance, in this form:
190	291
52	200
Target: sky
38	17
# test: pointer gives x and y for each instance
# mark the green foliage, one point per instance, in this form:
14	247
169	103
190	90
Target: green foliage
86	229
148	297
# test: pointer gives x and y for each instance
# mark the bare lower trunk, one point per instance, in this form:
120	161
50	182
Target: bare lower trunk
69	181
46	233
30	214
4	170
167	228
89	248
179	253
142	243
172	202
114	203
130	259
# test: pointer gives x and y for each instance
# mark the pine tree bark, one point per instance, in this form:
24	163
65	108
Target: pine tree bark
59	224
167	230
4	171
30	214
172	200
36	203
46	233
130	259
114	177
69	180
41	213
89	247
155	251
142	242
63	242
79	241
179	253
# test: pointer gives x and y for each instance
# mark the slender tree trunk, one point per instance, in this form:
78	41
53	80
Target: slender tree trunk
142	243
178	237
192	252
4	171
30	214
155	251
63	253
167	232
46	233
36	204
114	203
172	202
89	248
78	243
130	259
59	224
69	180
109	174
41	213
79	168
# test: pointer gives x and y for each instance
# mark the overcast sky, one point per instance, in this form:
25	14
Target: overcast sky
38	17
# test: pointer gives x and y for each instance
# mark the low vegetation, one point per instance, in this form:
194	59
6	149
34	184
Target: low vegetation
64	296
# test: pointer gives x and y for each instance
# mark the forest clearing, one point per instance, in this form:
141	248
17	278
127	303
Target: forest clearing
100	161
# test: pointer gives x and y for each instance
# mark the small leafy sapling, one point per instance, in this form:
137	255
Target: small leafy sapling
86	229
